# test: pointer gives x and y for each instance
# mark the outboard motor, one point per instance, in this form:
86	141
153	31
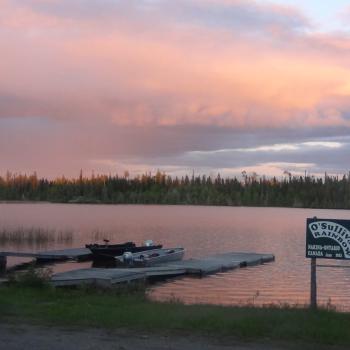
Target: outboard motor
149	243
128	258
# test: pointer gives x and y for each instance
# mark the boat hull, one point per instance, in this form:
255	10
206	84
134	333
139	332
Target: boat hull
152	257
108	252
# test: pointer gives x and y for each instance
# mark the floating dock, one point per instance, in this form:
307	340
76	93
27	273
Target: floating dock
221	262
62	254
78	254
200	267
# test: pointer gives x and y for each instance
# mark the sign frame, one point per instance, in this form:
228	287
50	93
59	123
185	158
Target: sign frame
327	238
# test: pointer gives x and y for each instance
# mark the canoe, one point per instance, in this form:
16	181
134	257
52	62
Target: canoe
150	257
109	251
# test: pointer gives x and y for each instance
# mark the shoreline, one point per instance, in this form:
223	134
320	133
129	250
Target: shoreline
164	205
112	310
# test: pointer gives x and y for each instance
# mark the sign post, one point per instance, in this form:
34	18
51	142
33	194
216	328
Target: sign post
325	239
2	264
313	285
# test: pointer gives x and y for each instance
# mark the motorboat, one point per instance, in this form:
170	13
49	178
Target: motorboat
108	251
150	257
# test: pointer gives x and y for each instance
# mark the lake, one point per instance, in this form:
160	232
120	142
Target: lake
202	231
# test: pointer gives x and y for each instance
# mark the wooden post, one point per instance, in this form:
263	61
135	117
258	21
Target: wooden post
313	285
3	261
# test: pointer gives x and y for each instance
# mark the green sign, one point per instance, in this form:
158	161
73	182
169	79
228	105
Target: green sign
328	238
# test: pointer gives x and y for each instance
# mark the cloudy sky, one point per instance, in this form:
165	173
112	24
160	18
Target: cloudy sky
188	85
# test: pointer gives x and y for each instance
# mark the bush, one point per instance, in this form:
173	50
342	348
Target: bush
32	277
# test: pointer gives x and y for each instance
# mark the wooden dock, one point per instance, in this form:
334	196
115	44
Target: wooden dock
65	254
62	254
78	254
221	262
109	277
199	267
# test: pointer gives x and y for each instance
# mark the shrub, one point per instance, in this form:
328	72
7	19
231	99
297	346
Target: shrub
32	277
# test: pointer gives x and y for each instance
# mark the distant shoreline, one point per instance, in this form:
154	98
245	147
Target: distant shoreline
328	192
163	204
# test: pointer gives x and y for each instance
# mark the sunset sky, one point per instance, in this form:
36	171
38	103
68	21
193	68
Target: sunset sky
188	85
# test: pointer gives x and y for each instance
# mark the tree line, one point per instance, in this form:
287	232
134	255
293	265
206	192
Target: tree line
160	188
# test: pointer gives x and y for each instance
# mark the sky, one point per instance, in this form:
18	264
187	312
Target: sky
203	86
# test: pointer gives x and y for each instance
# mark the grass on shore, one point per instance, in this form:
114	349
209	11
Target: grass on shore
112	309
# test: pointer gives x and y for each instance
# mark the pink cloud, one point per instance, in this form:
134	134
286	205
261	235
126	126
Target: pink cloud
344	15
151	71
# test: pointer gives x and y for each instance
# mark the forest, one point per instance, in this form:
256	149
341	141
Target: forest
331	192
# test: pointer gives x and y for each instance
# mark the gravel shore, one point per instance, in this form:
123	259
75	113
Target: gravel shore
28	337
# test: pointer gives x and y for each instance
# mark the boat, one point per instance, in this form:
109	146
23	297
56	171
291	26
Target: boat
108	251
150	257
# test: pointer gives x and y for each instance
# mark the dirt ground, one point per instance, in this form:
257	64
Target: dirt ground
27	337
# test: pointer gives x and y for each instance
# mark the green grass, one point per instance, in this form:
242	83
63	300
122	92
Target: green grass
110	309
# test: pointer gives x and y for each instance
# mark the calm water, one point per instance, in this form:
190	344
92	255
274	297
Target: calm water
202	231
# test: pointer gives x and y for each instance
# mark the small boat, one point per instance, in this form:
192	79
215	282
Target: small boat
109	251
150	257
